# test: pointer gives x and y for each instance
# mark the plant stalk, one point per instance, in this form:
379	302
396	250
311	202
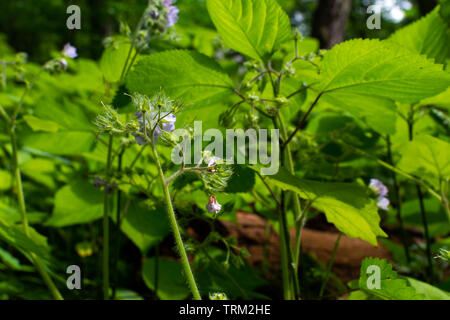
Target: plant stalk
330	265
106	224
21	200
175	228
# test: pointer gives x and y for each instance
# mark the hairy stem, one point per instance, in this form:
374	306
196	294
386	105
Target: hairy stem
174	225
298	217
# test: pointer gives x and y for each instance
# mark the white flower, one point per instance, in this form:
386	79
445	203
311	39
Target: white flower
213	206
69	51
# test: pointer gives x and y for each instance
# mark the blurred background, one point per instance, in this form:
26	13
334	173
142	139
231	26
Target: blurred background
39	27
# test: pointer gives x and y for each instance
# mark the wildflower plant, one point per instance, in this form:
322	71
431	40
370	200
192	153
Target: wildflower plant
102	139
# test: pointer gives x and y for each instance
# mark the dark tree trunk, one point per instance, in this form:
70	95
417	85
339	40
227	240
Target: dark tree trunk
330	20
426	6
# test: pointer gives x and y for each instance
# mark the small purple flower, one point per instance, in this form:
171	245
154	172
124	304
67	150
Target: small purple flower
213	206
383	203
213	161
167	123
172	14
98	182
381	191
69	51
378	187
110	187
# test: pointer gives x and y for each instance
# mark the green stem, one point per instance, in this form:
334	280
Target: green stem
398	202
106	224
174	225
421	203
21	200
117	235
298	216
330	265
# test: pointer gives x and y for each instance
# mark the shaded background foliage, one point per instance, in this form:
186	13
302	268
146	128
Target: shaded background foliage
41	24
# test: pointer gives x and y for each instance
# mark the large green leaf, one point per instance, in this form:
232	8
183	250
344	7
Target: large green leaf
365	77
145	227
391	286
427	157
253	27
170	277
428	36
373	67
195	79
346	205
79	202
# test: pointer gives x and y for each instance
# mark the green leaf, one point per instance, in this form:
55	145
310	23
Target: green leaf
145	227
60	143
253	27
79	202
171	281
198	81
41	170
365	77
37	124
378	113
427	157
113	59
5	180
242	180
391	286
430	292
346	205
373	67
14	235
428	36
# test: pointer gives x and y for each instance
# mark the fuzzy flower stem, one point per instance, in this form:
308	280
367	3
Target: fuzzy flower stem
174	225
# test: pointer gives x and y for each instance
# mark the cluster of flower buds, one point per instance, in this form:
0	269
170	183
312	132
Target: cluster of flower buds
155	116
159	16
109	122
381	191
54	66
108	187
